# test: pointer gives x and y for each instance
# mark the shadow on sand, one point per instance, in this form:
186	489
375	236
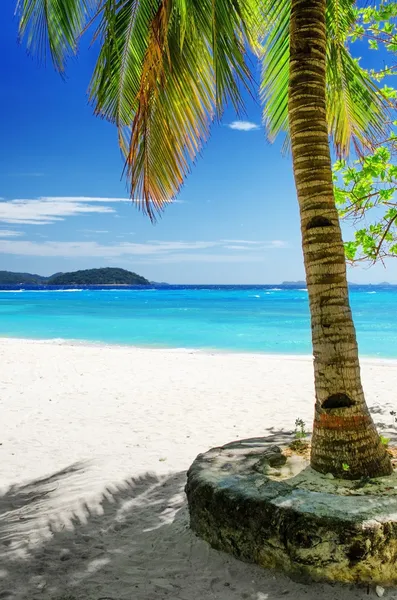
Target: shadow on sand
131	542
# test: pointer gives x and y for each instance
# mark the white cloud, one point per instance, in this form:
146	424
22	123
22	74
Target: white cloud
243	125
205	258
253	245
279	244
94	231
5	233
49	209
160	251
245	242
81	248
234	247
26	174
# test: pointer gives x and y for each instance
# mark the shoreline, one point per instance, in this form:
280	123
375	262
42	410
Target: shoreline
184	350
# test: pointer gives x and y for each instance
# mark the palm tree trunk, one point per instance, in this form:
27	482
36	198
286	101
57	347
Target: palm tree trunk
345	441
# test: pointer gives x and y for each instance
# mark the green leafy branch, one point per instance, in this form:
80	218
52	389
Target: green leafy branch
365	190
368	189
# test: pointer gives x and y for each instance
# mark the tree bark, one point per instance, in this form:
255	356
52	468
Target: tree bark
345	441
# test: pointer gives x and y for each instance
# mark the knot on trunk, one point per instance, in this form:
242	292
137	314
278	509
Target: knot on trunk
337	401
318	222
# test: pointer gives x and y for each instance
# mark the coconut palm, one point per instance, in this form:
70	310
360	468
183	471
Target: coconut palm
166	69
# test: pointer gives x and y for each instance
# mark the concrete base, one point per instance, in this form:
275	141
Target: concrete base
248	499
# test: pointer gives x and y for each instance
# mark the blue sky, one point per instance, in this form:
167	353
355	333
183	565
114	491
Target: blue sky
64	206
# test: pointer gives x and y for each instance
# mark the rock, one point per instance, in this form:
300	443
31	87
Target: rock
38	582
270	457
379	590
64	554
329	476
163	584
284	524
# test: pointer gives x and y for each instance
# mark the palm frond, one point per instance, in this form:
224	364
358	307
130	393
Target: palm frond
165	68
53	25
232	23
123	32
356	112
275	68
176	104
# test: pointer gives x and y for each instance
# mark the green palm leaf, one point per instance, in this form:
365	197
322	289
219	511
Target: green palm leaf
165	69
176	104
53	25
355	110
123	32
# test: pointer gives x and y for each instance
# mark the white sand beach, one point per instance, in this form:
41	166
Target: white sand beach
95	444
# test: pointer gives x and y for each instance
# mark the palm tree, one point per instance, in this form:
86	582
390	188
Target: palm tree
344	435
165	70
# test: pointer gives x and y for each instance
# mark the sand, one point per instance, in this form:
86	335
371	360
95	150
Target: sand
95	444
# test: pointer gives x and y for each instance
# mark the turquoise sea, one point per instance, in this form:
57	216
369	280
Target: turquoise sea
259	318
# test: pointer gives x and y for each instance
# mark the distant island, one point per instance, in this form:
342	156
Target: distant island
106	276
10	278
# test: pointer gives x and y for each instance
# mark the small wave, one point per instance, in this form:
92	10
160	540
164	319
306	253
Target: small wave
276	289
52	291
371	292
110	290
254	296
120	289
302	289
38	291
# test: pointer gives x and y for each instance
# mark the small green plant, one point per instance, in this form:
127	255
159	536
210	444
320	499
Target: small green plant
299	444
300	429
384	440
345	467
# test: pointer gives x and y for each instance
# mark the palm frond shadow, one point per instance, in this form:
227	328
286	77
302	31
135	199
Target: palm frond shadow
50	552
382	414
20	504
130	542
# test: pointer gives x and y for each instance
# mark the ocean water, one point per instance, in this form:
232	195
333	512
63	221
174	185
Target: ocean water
233	318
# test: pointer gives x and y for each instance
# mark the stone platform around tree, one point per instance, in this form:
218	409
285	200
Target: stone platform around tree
248	499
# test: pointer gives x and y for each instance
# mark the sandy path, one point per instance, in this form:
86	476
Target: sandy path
95	442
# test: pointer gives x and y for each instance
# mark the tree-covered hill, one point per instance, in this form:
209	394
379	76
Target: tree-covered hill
106	276
10	278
